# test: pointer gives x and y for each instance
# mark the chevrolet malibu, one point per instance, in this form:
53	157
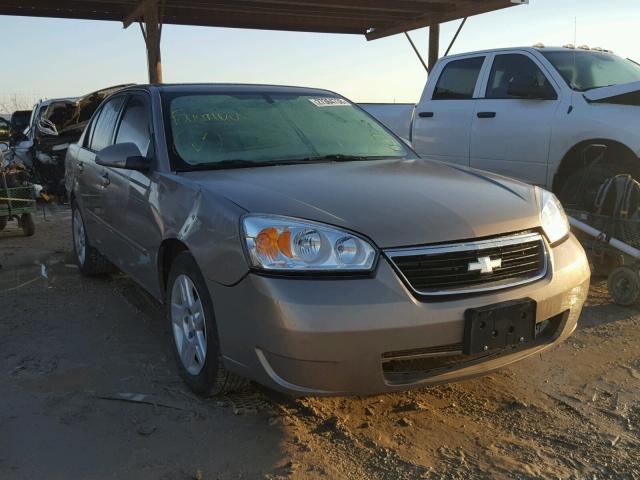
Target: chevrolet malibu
297	242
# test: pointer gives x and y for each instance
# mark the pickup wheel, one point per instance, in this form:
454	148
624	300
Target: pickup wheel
89	260
580	189
195	334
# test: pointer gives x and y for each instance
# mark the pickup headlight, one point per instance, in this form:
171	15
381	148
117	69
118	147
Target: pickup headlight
279	243
552	217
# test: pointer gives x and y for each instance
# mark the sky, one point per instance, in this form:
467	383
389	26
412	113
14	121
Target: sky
58	58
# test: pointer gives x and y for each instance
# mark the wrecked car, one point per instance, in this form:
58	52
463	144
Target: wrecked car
53	126
5	129
297	242
19	123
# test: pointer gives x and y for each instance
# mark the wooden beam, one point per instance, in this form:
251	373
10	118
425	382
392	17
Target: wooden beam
139	12
457	9
152	31
434	45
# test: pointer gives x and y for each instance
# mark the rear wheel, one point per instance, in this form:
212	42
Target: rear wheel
195	334
28	224
89	260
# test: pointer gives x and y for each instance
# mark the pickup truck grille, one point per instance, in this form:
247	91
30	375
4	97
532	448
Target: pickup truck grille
470	267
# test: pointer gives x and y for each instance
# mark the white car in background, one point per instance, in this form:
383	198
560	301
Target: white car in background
529	113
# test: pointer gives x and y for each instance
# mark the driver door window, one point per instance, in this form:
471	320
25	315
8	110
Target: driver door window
508	67
510	134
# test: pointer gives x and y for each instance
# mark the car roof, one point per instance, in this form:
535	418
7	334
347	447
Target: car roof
229	87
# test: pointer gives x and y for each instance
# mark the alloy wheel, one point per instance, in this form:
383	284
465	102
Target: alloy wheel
79	237
188	324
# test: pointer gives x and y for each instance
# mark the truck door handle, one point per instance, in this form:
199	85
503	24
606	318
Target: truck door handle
486	114
106	181
425	114
80	167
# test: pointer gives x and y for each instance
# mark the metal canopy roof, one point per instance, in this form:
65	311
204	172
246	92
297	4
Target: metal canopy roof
372	18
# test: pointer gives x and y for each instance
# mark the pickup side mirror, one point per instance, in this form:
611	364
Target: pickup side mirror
527	86
4	147
123	155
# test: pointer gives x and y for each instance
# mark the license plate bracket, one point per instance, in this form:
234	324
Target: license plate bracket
500	326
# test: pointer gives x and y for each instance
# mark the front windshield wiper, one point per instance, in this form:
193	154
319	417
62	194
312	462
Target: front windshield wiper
240	163
339	157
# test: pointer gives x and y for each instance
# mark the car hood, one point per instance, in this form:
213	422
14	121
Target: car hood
624	94
394	202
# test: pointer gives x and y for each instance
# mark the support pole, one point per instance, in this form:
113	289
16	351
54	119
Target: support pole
455	37
415	49
434	45
152	32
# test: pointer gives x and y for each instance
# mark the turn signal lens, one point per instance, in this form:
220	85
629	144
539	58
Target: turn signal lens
267	243
282	243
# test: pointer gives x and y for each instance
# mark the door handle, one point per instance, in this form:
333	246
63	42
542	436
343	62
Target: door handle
425	114
486	114
80	167
106	181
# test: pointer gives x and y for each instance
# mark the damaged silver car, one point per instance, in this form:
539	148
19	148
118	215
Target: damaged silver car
297	242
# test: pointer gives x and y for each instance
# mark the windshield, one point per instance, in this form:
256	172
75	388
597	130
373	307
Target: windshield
588	70
208	129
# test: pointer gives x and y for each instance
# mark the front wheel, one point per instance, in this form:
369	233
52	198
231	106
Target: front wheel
195	334
581	188
3	222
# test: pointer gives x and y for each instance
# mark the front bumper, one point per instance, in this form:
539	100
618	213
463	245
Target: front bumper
338	336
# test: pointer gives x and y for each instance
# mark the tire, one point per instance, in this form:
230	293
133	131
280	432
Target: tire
28	224
624	286
580	189
90	262
3	222
194	331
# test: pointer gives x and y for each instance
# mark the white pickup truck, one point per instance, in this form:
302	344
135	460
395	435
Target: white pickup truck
528	113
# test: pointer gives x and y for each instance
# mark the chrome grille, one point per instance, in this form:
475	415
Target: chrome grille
455	268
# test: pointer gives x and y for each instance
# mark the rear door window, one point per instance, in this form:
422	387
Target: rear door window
458	79
134	127
104	125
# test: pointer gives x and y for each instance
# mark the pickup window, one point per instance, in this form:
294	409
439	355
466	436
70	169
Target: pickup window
458	79
509	66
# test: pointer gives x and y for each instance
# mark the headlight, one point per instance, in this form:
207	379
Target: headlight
286	244
552	217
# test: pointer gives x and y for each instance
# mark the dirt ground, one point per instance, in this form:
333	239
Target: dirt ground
89	389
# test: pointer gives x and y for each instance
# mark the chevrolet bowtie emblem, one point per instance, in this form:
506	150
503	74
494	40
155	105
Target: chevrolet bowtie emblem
484	265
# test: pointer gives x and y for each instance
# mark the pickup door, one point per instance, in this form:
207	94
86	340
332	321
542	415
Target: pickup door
442	125
512	129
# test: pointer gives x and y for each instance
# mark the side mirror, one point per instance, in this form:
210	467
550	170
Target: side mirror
123	155
526	86
4	147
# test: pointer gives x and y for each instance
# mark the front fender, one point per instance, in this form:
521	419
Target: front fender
209	225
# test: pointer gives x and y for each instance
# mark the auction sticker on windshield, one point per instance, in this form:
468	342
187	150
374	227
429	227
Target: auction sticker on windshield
329	102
